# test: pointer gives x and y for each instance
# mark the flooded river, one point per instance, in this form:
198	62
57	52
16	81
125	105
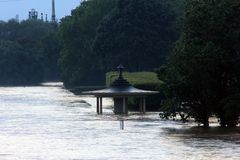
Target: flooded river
50	123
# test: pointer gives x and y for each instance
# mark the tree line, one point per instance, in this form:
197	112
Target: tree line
101	34
94	39
29	51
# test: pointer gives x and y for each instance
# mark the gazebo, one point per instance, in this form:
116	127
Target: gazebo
120	90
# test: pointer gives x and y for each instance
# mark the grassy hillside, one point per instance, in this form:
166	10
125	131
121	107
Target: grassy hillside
135	78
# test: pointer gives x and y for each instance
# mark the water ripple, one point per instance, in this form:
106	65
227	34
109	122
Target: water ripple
48	122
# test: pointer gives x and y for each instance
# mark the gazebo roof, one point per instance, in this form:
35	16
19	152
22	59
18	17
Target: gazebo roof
120	88
120	92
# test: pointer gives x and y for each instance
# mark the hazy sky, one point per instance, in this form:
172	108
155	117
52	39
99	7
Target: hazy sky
10	8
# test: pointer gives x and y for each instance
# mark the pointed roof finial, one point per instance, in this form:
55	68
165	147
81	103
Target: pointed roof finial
120	81
120	69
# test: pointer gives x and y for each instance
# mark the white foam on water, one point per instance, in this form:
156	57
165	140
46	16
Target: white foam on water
50	123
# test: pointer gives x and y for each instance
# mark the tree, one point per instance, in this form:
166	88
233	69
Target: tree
203	73
41	40
29	52
50	51
17	66
137	33
76	34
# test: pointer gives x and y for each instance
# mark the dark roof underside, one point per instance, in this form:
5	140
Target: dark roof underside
120	92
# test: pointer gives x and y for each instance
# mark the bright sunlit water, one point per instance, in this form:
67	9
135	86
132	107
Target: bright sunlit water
50	123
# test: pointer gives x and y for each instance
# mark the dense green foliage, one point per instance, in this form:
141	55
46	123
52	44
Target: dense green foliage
17	66
137	34
28	52
202	76
77	32
101	34
141	80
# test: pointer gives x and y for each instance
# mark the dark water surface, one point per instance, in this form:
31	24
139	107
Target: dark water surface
49	123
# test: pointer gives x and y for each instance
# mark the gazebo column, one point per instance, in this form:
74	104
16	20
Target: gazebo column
101	106
97	105
140	105
144	105
125	109
120	105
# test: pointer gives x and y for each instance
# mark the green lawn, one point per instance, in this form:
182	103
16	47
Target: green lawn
135	78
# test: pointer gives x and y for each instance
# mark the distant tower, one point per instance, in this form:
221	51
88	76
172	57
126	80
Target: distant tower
42	16
33	14
53	12
17	18
46	18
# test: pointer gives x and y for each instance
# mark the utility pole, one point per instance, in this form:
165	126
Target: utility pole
53	12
